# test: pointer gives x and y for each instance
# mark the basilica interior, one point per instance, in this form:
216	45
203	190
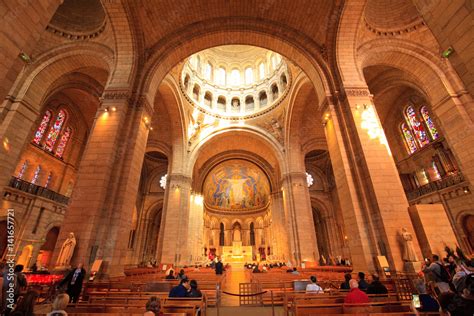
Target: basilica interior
179	133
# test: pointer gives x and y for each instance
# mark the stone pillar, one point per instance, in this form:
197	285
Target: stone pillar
21	27
279	226
298	207
101	208
196	223
374	204
173	244
15	129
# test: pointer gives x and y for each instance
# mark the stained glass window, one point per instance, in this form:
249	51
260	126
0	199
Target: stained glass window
48	180
409	139
418	129
23	169
54	131
36	175
63	142
429	123
42	127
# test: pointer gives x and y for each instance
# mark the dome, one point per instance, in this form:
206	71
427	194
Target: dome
235	81
79	16
236	185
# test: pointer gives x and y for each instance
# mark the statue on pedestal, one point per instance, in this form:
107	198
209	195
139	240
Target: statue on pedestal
409	254
67	251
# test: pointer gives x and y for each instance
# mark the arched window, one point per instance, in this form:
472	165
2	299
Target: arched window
275	92
252	234
274	62
208	99
36	175
235	77
198	63
220	76
235	105
48	180
429	122
42	127
196	91
221	103
23	169
221	235
417	127
249	103
409	139
248	75
283	81
186	82
63	142
55	130
262	98
208	71
261	71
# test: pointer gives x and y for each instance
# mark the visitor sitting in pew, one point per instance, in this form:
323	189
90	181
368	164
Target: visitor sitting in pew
376	287
181	275
153	307
170	276
194	291
355	296
295	271
180	290
345	284
255	269
313	287
59	305
363	285
26	304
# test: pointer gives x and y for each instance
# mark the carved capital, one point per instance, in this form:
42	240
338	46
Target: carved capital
115	95
357	92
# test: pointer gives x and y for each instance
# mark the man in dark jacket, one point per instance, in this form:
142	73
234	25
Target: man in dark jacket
376	287
219	267
180	290
362	282
74	280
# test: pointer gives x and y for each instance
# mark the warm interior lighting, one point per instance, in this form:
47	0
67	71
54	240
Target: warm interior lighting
371	123
6	144
114	109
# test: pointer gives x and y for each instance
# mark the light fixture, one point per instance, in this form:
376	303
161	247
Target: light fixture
114	109
447	52
147	122
366	106
466	190
25	57
357	106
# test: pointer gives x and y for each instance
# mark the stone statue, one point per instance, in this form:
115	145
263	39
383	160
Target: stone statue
66	252
409	254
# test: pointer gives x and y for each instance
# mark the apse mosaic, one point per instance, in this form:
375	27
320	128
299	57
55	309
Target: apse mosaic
236	184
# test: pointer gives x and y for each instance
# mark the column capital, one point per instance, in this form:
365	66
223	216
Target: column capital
179	178
114	95
294	176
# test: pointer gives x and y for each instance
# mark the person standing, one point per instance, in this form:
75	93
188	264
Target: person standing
439	274
74	280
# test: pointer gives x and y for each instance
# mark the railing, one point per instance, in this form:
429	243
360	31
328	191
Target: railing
436	186
34	189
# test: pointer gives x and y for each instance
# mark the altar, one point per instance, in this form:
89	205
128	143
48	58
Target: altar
237	253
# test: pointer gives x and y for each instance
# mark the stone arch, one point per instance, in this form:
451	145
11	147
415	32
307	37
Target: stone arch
289	42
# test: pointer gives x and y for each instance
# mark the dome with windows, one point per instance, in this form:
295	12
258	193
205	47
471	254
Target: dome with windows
235	81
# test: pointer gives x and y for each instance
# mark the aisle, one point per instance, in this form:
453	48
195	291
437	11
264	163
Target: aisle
234	276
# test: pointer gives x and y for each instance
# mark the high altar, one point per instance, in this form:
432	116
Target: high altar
237	253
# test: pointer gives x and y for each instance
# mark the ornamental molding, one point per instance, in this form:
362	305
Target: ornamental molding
357	92
412	27
76	36
112	95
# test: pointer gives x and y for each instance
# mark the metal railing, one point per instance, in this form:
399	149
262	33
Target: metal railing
37	190
435	186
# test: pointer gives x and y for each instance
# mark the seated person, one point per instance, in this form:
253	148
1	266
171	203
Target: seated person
180	290
59	305
355	296
363	285
345	284
255	270
295	271
170	276
427	302
313	287
194	291
376	287
181	275
153	307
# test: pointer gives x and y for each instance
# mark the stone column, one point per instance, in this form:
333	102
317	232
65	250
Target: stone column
298	209
173	244
279	226
17	120
104	197
374	204
21	27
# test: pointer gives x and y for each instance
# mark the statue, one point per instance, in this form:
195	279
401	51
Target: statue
409	254
66	252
